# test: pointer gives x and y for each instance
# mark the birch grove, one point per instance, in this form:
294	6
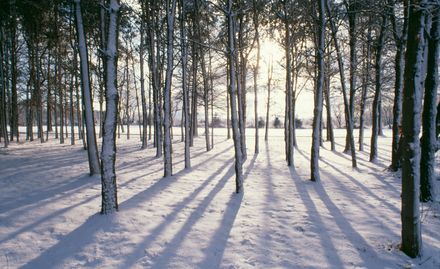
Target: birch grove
140	70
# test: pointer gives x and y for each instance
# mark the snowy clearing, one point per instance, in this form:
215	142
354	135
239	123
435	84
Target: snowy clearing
351	219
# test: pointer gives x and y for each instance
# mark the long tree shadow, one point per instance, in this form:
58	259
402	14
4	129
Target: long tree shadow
172	247
33	190
362	186
365	250
315	218
46	218
270	198
356	182
217	245
131	258
70	244
42	197
358	200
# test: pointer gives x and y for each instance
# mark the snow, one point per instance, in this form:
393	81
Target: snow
351	219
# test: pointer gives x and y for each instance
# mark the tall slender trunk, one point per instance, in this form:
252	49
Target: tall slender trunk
77	104
14	74
288	123
211	86
127	98
31	99
269	84
185	89
108	154
71	114
142	79
412	100
256	70
352	18
38	92
348	116
428	141
233	93
171	12
399	64
48	100
228	97
378	91
318	101
3	109
138	104
365	86
206	88
241	61
92	148
194	96
330	133
257	146
60	99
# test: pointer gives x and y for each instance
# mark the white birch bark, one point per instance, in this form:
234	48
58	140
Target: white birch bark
108	154
171	13
411	118
233	100
185	112
318	101
92	148
348	116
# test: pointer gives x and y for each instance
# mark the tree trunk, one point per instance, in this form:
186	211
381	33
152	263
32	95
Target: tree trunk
233	93
127	98
377	94
60	99
48	100
141	67
412	98
108	154
330	133
256	70
269	84
288	123
399	62
38	93
72	120
3	109
92	148
318	100
185	89
205	98
366	81
352	17
348	116
14	75
428	141
171	12
228	97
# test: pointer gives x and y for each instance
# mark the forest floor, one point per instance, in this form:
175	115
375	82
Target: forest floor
351	219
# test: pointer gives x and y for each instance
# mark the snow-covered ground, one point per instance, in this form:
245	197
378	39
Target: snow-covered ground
351	219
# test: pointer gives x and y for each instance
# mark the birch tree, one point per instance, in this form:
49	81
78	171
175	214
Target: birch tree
428	140
269	85
318	99
171	13
92	148
108	154
233	99
348	116
400	36
185	92
378	91
412	99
